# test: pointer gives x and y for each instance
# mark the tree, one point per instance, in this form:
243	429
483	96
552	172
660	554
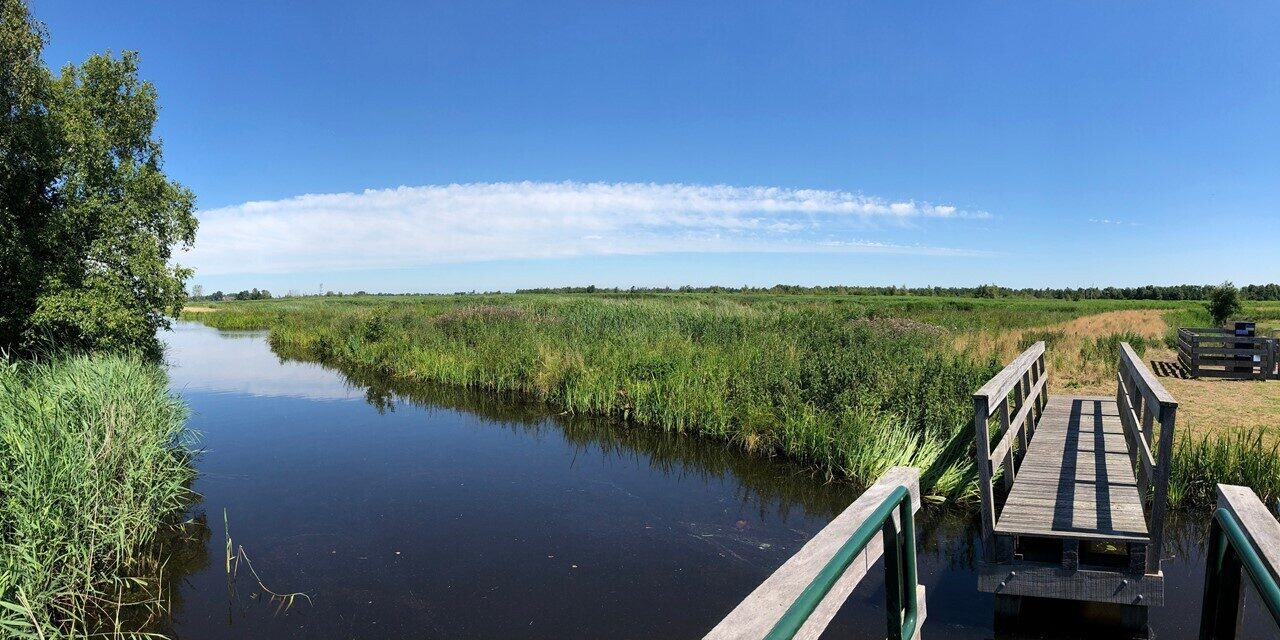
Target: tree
1224	302
197	292
28	167
90	226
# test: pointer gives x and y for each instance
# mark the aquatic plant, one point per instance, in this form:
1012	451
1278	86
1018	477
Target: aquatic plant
820	383
1249	458
850	385
94	465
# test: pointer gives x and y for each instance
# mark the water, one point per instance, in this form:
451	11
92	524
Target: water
431	512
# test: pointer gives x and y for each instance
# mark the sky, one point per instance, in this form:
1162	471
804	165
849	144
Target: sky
439	147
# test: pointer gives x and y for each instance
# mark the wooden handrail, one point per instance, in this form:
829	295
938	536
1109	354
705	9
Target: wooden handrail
1026	378
1002	383
1244	540
760	611
1143	402
1015	425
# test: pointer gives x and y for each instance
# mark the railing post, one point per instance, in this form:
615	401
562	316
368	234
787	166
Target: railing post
1196	347
1020	399
982	458
893	578
1221	610
1010	470
1159	506
1042	397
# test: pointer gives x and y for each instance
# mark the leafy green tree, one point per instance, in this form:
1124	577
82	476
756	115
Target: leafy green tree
91	227
28	167
1224	302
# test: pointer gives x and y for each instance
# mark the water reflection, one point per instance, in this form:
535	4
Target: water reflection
201	359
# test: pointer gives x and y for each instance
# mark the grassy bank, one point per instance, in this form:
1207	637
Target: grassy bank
850	385
94	465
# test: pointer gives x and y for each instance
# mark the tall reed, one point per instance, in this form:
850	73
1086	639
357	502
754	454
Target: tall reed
1247	458
94	462
827	384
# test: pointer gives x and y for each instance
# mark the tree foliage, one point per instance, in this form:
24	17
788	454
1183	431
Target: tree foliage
1224	302
88	219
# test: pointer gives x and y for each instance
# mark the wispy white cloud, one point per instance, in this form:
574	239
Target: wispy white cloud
1122	223
417	226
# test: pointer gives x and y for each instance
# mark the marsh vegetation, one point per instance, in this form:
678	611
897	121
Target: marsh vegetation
94	469
849	385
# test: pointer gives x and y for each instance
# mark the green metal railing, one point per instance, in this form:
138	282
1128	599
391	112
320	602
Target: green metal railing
1230	550
899	568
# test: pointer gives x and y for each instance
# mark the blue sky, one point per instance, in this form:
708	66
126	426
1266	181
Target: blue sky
1026	144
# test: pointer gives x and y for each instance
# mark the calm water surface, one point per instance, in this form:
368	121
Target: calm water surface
430	512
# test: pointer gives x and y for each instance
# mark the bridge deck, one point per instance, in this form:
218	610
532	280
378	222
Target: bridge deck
1076	480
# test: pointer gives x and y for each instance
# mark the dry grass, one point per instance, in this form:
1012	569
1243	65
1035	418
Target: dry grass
1209	406
197	309
1069	368
1205	406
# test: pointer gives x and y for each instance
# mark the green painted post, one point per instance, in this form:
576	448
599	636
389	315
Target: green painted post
1231	552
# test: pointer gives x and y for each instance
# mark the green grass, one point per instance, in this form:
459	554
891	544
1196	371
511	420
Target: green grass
94	465
1247	458
838	382
850	385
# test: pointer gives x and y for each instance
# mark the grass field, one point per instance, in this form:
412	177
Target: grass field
849	384
94	466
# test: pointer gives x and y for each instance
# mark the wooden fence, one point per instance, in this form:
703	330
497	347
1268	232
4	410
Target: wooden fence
1219	353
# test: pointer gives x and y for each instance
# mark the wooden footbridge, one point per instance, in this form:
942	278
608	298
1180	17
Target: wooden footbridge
1085	483
1074	502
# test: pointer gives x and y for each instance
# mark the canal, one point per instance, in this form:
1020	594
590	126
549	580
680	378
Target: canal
430	512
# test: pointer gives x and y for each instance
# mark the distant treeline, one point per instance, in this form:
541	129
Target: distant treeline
1148	292
248	294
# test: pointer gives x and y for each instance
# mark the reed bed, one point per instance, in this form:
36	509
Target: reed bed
829	385
850	385
94	466
1249	458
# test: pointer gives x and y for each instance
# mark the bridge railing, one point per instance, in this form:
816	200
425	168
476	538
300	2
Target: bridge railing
1016	397
804	594
1244	539
1144	404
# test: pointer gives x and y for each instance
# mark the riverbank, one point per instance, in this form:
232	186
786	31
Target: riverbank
850	385
94	469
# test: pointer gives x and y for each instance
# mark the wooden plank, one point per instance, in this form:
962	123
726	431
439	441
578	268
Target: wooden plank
1225	375
1259	525
998	387
761	610
1202	341
1222	352
1076	479
1208	331
1048	581
1151	388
